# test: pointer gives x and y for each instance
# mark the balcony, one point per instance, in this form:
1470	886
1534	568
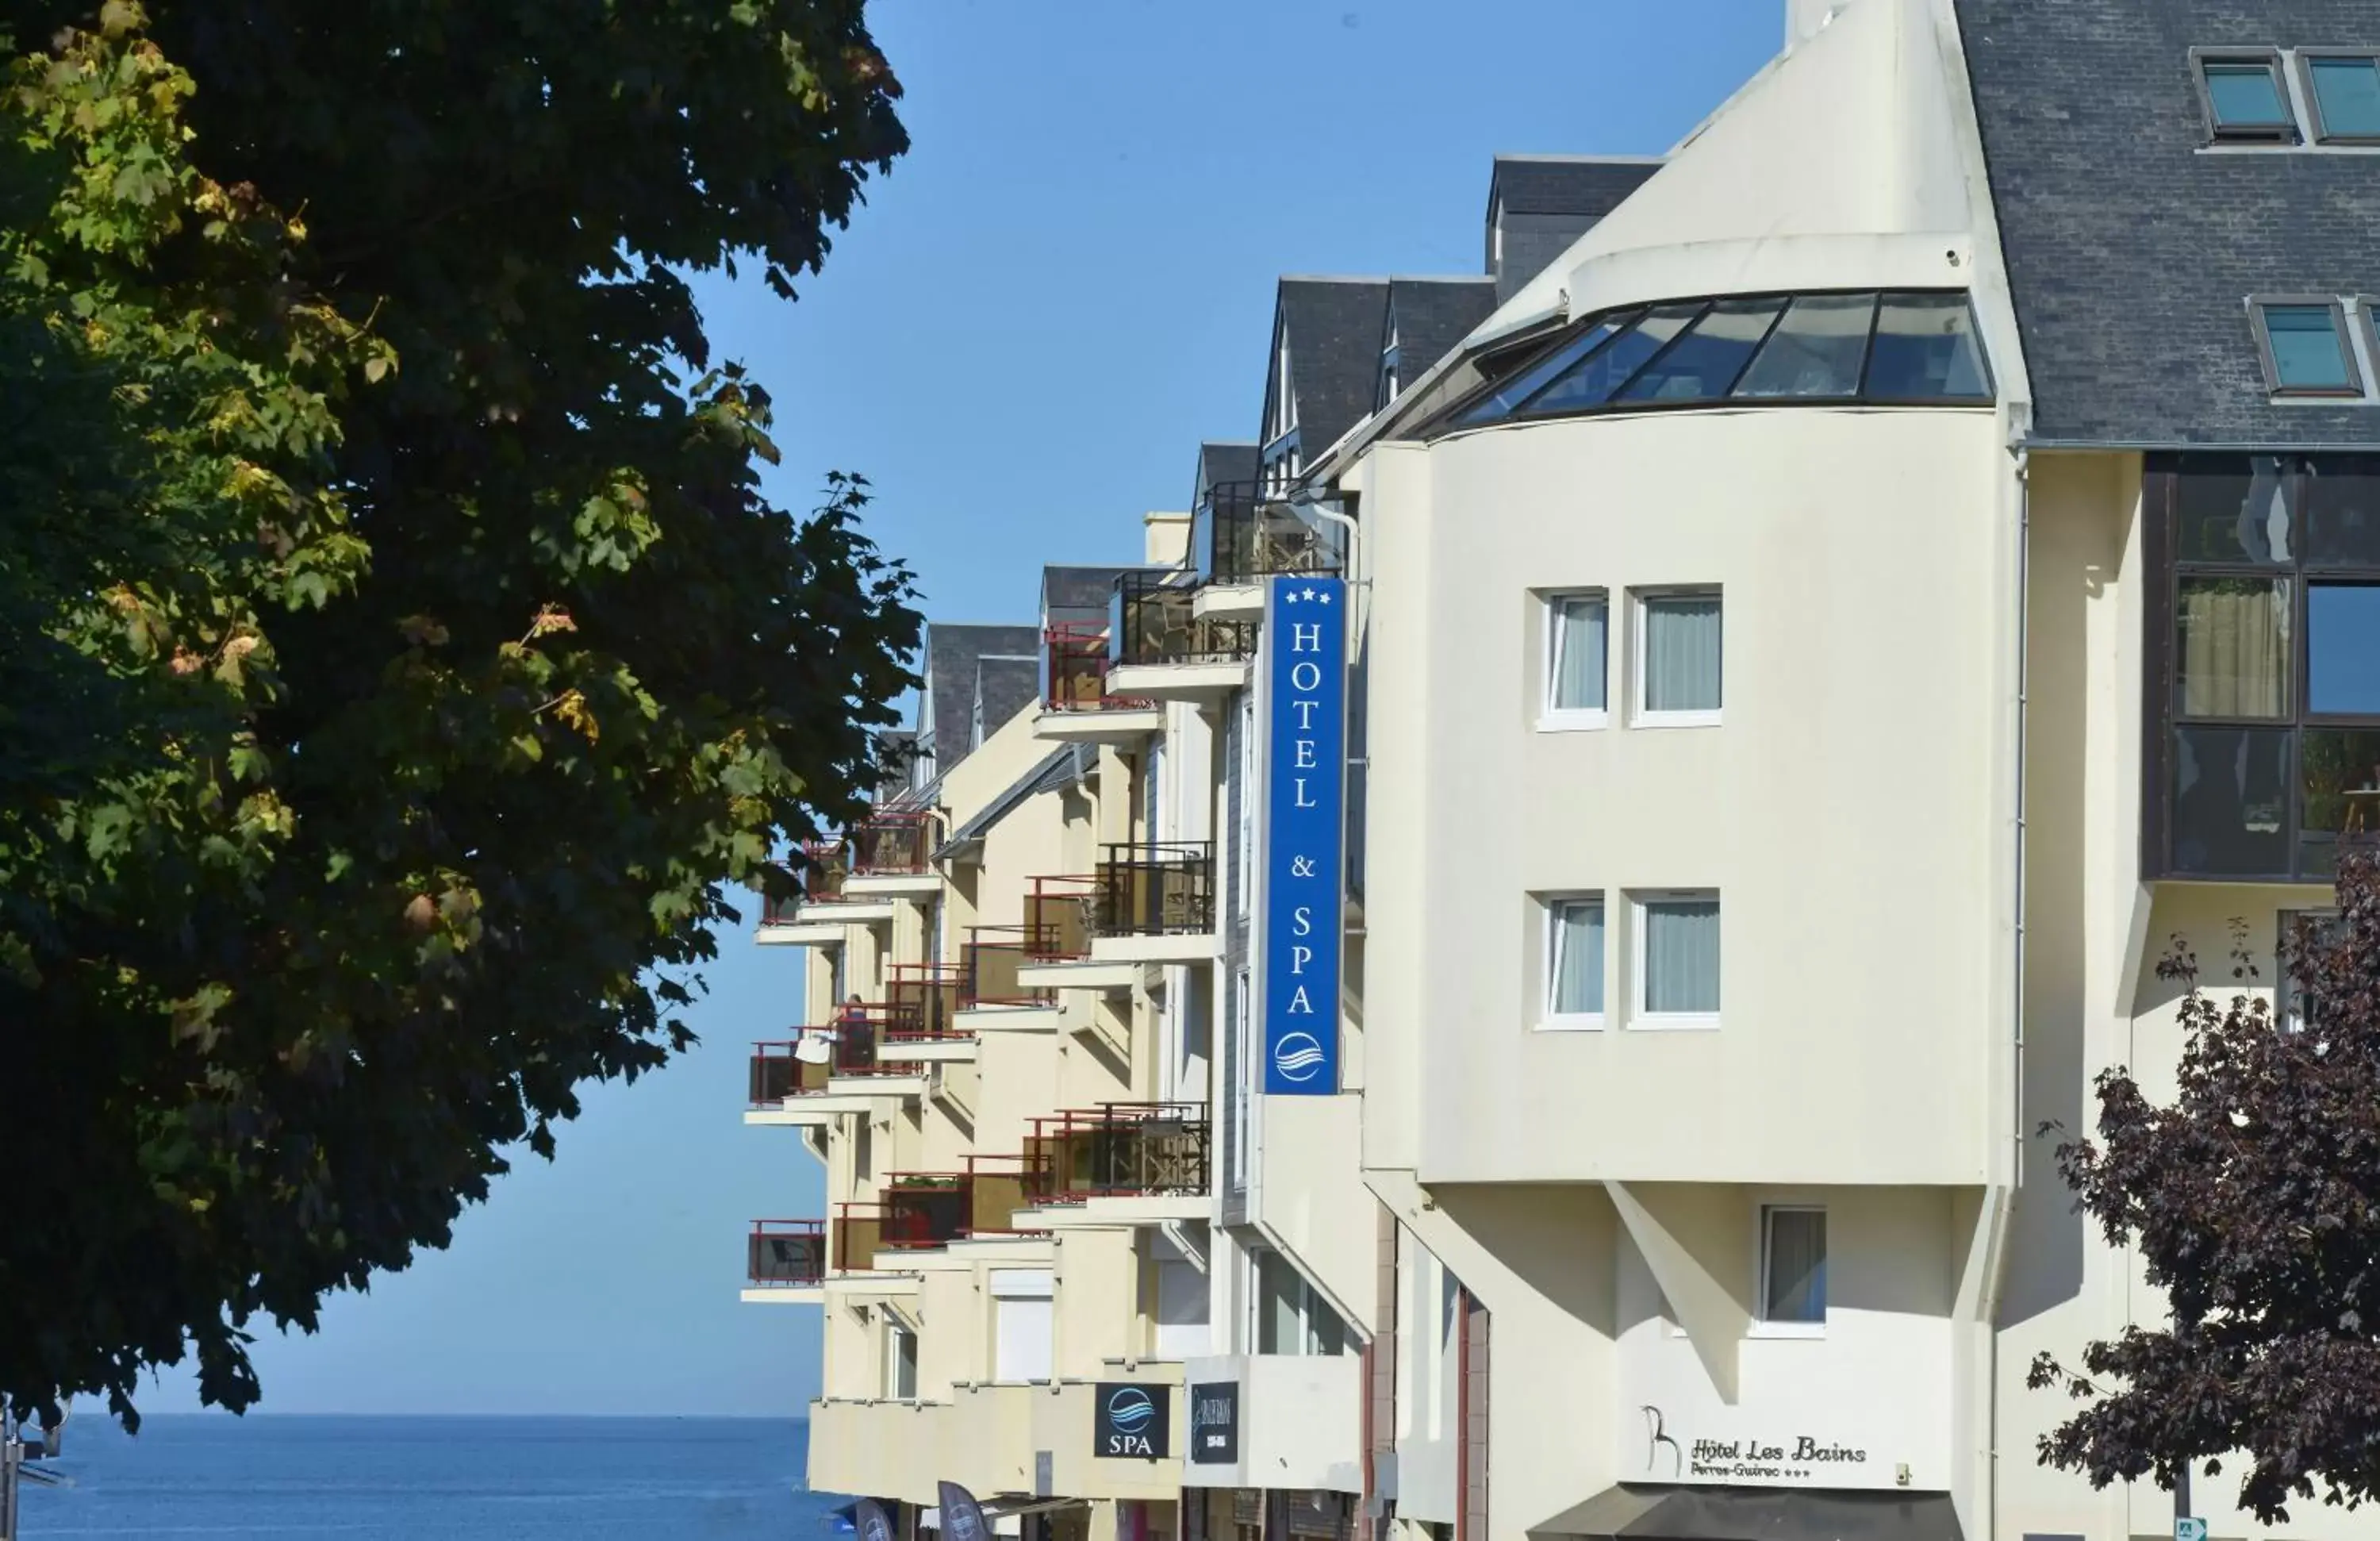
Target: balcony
826	1072
786	1261
827	903
919	1020
1162	648
922	1211
1239	538
891	855
1125	1150
780	1071
1078	706
991	967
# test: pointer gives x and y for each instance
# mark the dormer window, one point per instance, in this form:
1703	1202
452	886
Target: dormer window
2246	95
2304	346
2344	89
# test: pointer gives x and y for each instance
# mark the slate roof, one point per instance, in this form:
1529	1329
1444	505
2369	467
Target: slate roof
1431	317
1334	353
1004	686
1591	185
954	654
1077	593
1541	204
2130	253
1221	465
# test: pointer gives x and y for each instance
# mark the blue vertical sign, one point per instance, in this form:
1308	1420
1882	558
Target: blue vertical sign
1304	708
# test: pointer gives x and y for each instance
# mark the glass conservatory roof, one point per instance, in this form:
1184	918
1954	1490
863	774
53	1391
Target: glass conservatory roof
1902	348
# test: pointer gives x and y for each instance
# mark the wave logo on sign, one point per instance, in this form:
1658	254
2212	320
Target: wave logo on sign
1297	1057
1130	1410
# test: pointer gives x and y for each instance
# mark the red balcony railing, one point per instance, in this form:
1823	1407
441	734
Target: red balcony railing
921	1210
923	1001
1122	1149
787	1254
1074	669
893	841
989	962
802	1066
1059	913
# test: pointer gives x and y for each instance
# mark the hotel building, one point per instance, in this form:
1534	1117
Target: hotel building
1807	629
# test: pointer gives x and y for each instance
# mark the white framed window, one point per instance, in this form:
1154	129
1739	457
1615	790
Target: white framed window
900	1362
1577	665
1676	936
1792	1271
1574	967
2296	1011
1679	658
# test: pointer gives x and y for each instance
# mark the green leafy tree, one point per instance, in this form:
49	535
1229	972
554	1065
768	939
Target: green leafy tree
399	659
2253	1202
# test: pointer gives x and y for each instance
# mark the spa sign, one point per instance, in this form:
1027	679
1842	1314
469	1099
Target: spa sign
1304	701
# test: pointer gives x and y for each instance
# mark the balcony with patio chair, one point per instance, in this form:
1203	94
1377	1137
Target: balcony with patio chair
1240	536
993	1199
1162	648
1134	1162
785	1262
1078	705
1154	902
891	855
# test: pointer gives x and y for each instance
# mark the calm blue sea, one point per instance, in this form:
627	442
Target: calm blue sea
455	1479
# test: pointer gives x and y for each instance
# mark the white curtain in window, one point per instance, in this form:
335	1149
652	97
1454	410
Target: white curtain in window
1681	955
1578	958
1797	1266
1579	628
1681	653
2235	637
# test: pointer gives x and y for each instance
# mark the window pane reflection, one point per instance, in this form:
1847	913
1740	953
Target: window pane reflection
2343	648
1815	351
1591	383
1705	362
1925	350
2342	510
2230	787
2234	509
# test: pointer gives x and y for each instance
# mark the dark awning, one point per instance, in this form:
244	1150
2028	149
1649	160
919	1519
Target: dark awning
1756	1515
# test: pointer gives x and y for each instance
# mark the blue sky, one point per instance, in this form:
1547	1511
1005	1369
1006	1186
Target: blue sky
1021	341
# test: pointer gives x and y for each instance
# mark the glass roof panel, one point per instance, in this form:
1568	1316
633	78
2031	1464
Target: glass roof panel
1706	360
1499	403
1815	351
2348	91
2246	93
1595	380
1925	350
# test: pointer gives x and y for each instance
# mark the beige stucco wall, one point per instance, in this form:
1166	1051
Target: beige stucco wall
1843	809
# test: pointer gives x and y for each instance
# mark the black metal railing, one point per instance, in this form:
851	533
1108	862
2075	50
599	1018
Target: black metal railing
1152	619
1156	889
1239	535
787	1254
1122	1149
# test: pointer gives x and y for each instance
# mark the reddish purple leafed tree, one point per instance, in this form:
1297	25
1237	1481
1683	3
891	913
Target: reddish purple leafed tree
2254	1201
